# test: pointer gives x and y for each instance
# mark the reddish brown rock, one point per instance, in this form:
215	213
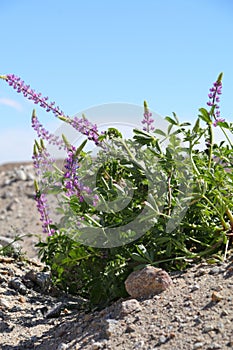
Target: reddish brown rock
147	282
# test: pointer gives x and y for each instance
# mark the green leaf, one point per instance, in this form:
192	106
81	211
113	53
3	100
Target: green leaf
205	115
171	121
160	132
196	127
223	125
137	257
80	148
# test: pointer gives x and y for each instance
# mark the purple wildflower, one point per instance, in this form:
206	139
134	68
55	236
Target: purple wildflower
43	209
71	181
29	93
214	98
45	135
42	160
82	125
218	120
86	128
147	121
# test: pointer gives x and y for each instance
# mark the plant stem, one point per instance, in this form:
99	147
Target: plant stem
211	145
229	141
223	222
230	216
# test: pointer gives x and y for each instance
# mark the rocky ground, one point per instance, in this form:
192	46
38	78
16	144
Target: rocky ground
196	312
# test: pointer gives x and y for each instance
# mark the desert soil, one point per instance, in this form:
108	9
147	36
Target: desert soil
195	313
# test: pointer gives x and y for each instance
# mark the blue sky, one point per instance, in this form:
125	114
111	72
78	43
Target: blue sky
86	53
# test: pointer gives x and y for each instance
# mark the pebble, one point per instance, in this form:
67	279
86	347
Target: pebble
198	345
63	346
55	311
208	328
139	345
129	306
17	285
215	270
111	326
20	175
215	297
4	303
195	287
42	279
214	346
162	339
97	345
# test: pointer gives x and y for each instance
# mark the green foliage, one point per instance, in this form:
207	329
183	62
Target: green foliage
187	192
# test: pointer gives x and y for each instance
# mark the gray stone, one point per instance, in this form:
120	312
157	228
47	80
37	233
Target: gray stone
215	270
55	311
198	345
42	279
97	345
63	346
162	339
20	175
111	326
147	282
129	306
4	303
17	285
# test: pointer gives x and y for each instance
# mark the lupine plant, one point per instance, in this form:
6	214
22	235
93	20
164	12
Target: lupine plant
183	191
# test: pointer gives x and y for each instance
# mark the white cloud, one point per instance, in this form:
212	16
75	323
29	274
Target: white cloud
11	103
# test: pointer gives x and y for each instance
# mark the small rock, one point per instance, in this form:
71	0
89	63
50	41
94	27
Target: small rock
162	339
214	346
198	345
139	345
111	326
4	327
17	285
22	299
147	282
4	303
130	329
97	345
55	311
215	270
195	287
208	328
224	313
129	306
20	175
216	297
62	346
42	279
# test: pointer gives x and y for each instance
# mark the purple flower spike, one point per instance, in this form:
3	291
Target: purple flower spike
215	91
82	125
45	135
43	209
37	98
147	120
